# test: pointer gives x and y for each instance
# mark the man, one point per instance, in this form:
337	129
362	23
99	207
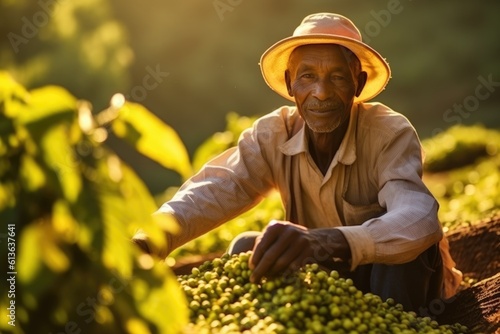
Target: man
349	173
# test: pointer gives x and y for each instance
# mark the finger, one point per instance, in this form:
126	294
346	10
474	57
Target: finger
285	250
289	260
140	239
297	256
256	252
263	242
268	258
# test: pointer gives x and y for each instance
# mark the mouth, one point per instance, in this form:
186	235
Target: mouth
322	111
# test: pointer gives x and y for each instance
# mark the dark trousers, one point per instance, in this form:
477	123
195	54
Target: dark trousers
413	284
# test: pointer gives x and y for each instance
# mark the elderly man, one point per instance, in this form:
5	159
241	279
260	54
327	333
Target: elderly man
349	173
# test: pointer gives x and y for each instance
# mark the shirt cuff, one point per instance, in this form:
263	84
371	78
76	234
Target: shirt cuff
361	244
167	210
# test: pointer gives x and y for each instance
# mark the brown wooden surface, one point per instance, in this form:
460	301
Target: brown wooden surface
476	249
477	307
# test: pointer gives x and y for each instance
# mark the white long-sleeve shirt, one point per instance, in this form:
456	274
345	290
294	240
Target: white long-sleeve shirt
372	191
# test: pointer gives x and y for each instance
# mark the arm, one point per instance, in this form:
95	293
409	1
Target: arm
225	187
410	224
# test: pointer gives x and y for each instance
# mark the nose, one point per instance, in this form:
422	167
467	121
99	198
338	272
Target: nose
322	90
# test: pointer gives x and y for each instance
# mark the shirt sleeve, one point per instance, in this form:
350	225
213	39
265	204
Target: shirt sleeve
225	187
410	224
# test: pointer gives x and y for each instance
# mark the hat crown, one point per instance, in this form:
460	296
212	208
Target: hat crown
327	24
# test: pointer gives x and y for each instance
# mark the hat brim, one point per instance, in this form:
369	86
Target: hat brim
274	62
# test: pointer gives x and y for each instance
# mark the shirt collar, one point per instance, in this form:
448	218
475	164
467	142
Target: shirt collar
347	151
296	144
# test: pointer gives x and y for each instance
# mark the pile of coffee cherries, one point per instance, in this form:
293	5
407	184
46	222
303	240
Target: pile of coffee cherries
222	299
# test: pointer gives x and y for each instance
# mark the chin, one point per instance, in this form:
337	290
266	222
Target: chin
322	128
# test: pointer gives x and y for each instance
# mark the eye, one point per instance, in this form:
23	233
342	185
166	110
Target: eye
307	76
338	77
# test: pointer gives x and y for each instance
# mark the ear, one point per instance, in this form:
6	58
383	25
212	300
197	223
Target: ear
362	77
288	82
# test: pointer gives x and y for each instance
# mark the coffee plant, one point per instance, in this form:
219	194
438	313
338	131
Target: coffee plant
68	209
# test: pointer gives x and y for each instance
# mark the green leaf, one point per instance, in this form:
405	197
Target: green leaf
39	246
221	141
211	147
140	206
48	105
122	204
30	258
59	157
114	215
160	300
7	198
52	111
152	137
31	175
64	223
12	95
236	124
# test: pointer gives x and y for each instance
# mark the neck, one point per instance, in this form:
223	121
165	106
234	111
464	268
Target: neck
324	146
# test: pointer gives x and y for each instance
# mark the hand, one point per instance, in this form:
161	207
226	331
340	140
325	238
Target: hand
142	240
142	243
287	246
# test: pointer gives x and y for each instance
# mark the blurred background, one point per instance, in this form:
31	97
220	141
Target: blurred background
193	62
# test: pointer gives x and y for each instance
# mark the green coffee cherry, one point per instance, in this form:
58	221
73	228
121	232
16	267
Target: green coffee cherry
221	299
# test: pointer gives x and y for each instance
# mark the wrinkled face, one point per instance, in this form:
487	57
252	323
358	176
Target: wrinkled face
323	85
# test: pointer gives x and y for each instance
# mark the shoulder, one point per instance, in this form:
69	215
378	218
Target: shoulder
378	119
282	115
281	123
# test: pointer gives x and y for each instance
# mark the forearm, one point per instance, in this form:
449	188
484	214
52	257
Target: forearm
331	246
190	225
409	227
199	207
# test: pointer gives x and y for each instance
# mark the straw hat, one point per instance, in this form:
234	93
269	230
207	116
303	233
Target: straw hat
325	28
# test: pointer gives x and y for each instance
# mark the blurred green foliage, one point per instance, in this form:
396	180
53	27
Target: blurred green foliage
460	146
74	44
436	51
221	141
95	48
462	169
72	206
